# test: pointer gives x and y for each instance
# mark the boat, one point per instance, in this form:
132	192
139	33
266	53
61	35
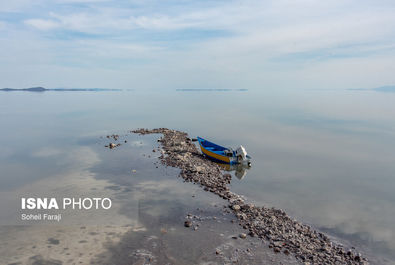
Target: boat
222	154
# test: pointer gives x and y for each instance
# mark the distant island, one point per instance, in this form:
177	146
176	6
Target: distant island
390	89
209	89
32	89
385	89
43	89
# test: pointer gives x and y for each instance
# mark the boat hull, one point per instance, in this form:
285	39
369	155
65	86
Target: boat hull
216	156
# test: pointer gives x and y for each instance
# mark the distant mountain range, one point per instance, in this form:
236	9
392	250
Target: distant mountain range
390	89
42	89
385	89
32	89
209	89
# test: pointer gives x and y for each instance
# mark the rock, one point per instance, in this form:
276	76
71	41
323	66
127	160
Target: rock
227	176
53	241
187	223
236	207
277	244
199	169
112	145
242	235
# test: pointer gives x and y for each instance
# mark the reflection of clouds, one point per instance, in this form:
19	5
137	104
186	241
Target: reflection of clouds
78	157
138	143
81	157
79	182
299	140
368	218
84	157
365	217
167	193
364	141
6	151
47	152
72	179
163	188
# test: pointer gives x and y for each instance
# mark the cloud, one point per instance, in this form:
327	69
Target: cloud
247	43
104	22
81	1
15	5
42	24
162	23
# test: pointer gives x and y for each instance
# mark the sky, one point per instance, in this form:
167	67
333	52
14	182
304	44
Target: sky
182	44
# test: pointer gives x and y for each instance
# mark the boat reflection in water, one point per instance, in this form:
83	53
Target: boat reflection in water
239	169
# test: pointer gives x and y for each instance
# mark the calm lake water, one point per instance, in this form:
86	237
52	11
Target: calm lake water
327	157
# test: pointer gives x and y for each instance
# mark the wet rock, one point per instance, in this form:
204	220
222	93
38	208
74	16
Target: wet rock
276	249
112	145
53	241
39	260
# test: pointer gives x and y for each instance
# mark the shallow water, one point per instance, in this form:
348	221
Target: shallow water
326	157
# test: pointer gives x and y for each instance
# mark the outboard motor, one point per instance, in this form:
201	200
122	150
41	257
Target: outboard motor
241	154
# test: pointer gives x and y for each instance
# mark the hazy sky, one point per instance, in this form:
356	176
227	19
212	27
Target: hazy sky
197	44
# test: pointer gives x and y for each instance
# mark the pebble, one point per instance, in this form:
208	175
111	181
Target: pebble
243	235
236	207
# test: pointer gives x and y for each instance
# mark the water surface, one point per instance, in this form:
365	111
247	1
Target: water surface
326	157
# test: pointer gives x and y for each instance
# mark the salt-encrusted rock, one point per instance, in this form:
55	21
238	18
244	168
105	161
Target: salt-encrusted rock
236	207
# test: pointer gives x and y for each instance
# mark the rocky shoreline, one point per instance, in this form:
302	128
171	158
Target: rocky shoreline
283	233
